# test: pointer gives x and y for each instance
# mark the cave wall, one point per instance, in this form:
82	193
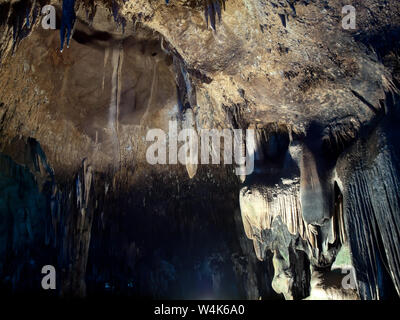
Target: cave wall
323	103
111	239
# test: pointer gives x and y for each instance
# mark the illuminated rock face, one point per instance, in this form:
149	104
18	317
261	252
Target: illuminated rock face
323	102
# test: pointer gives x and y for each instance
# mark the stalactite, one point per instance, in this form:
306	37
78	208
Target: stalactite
372	206
119	20
67	22
75	223
16	22
116	63
260	209
188	122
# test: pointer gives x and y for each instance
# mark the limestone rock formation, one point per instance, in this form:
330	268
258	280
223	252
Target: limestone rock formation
77	191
